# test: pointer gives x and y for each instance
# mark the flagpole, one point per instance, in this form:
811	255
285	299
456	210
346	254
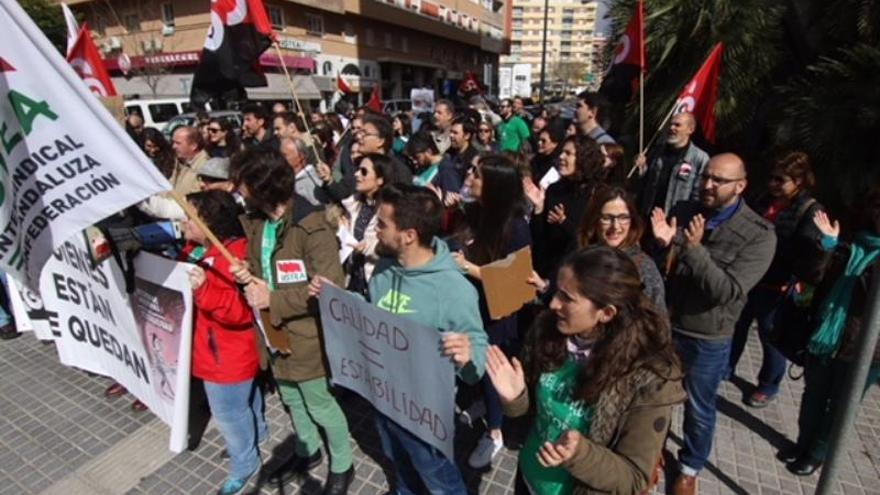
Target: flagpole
657	133
295	99
641	111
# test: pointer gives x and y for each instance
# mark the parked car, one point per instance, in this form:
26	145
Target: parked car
189	119
157	112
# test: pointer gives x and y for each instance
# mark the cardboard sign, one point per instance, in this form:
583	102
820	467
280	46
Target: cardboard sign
504	283
393	362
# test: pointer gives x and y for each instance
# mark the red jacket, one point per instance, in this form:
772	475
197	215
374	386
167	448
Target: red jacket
224	342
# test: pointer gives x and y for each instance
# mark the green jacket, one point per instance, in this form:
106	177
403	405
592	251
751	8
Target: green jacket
435	295
309	237
512	133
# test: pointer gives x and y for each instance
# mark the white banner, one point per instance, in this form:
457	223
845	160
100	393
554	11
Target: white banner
392	362
142	340
64	163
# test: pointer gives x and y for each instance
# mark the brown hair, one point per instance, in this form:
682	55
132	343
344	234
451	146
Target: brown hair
637	337
797	166
589	231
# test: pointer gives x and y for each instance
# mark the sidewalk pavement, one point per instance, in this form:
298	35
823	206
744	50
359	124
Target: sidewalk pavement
59	435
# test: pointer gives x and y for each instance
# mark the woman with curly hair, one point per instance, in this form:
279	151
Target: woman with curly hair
602	376
558	210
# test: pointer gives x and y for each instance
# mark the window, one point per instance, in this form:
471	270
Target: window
315	24
517	33
517	11
327	68
132	22
168	14
349	34
370	39
404	44
100	24
276	16
161	112
389	40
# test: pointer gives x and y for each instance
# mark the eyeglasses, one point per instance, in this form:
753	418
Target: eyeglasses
721	181
212	130
622	219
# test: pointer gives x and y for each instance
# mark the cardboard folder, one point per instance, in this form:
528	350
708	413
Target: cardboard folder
504	282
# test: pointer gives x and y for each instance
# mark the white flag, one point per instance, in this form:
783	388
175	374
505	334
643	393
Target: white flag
72	27
64	162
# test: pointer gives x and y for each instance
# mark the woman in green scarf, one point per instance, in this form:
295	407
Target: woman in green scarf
602	377
842	276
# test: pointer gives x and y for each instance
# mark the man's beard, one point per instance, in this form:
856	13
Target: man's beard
384	250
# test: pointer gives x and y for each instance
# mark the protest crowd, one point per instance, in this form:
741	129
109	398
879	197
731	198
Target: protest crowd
645	287
645	277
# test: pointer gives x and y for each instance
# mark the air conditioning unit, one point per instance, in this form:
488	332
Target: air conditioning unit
414	4
115	43
167	30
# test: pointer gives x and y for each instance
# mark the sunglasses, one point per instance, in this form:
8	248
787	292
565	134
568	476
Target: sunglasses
364	171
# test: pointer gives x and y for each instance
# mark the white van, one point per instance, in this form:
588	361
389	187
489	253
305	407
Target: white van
157	112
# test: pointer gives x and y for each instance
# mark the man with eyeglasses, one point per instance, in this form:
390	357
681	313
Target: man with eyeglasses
721	252
671	171
513	132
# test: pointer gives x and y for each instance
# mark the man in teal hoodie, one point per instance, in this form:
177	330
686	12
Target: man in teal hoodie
418	279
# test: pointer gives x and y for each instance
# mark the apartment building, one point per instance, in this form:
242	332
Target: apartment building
152	46
571	51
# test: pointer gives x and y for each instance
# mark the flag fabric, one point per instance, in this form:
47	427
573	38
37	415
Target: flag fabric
620	81
375	102
72	27
700	94
87	62
66	163
341	85
240	32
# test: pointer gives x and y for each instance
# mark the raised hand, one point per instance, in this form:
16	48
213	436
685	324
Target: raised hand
693	234
663	231
535	194
824	224
507	376
324	172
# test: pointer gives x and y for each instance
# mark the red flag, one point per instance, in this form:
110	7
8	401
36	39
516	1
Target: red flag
375	102
699	96
629	58
240	32
87	62
341	85
5	66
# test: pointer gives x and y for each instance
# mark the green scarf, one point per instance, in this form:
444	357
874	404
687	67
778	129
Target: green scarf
864	251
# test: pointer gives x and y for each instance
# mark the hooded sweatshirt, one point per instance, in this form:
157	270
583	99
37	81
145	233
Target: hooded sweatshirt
435	295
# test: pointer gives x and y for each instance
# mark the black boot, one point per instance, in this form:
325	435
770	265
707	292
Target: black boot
297	465
338	483
804	465
790	455
9	332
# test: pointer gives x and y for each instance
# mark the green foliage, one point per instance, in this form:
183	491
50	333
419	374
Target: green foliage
49	19
680	35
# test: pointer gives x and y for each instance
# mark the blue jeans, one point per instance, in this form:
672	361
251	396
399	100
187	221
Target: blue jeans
238	410
414	459
761	306
705	365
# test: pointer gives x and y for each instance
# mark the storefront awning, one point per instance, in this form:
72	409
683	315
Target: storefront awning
279	89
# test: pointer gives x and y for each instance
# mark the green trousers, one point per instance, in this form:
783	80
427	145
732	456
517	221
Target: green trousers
311	405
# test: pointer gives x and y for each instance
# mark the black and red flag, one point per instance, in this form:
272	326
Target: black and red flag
701	93
240	32
621	80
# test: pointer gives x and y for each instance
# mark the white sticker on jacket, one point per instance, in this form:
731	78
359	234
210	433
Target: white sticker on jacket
290	271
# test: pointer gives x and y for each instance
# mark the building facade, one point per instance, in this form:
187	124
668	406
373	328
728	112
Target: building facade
152	47
571	51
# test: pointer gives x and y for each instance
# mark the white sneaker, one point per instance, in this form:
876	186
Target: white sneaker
486	450
473	413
